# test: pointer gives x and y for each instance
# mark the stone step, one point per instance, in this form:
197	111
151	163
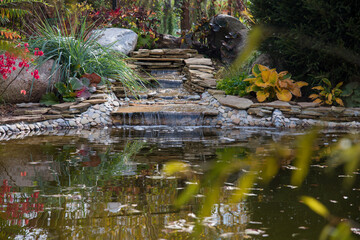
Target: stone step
170	114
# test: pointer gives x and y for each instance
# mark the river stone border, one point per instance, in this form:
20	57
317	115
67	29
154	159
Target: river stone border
98	115
248	115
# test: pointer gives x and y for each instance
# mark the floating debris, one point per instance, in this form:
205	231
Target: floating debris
255	232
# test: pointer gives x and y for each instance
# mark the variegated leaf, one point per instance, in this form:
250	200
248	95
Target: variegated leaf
284	95
262	96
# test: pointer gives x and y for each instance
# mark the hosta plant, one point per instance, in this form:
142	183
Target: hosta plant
269	84
327	95
351	94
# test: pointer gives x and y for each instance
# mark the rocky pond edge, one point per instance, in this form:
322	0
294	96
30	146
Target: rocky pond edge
232	112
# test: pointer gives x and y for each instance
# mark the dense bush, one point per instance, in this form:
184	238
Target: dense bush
234	85
76	52
313	38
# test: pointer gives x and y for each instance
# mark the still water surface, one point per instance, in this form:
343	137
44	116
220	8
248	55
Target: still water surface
109	185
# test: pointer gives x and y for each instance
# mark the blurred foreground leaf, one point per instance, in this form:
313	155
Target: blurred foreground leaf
316	206
303	157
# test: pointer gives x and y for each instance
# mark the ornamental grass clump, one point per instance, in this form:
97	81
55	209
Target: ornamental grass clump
269	84
76	52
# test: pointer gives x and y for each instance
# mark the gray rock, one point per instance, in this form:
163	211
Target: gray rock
219	41
234	101
118	39
199	61
25	81
84	121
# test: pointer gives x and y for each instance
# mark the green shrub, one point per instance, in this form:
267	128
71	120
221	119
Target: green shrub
351	94
313	38
234	85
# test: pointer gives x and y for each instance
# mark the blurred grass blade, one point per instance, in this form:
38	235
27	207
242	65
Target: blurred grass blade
244	184
303	157
315	206
255	37
175	167
187	194
270	169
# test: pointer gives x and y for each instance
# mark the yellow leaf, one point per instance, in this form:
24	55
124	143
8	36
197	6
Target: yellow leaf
265	75
339	101
262	68
261	83
273	77
328	102
313	96
320	88
301	84
250	80
262	96
284	95
339	85
316	206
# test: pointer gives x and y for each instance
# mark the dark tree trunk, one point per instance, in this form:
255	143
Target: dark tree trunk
229	7
185	15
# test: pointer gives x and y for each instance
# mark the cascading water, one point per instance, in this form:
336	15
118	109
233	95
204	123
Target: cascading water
166	103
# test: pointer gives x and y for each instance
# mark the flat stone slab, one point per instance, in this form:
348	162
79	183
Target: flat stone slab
216	92
157	59
28	105
153	63
234	101
16	119
275	104
80	106
199	61
307	104
95	101
170	108
62	106
200	67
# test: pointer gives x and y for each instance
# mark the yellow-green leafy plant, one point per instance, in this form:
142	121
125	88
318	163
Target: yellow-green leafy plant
327	94
269	84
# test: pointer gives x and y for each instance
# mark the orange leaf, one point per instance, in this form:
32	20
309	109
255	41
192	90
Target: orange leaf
301	84
329	97
339	101
313	96
296	91
318	101
320	88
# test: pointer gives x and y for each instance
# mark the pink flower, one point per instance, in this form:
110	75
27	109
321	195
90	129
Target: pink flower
26	45
23	92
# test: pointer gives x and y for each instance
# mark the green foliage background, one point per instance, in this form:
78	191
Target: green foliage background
313	37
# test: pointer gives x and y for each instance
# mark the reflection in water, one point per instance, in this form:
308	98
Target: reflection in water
111	187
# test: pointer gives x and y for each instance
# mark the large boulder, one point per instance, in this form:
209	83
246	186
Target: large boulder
118	39
168	41
227	37
23	80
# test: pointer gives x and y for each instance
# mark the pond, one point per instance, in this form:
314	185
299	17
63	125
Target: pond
108	184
